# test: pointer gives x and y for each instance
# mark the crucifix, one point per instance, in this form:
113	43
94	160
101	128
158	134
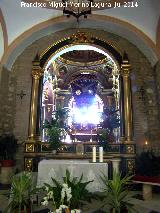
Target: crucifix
142	93
21	95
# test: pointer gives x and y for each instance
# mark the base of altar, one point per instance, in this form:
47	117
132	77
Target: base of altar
48	169
117	155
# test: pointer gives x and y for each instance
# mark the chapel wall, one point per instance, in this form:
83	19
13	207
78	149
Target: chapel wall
144	112
7	100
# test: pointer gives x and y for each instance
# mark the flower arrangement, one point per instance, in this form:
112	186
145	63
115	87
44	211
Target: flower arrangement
68	196
65	198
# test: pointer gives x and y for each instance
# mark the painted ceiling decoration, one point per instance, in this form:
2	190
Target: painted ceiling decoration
83	56
125	21
77	39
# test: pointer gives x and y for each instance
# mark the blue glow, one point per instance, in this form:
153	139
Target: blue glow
90	115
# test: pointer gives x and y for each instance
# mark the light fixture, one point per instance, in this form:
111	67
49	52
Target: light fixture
146	143
77	8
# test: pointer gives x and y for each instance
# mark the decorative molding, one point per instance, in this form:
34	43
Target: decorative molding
130	165
4	28
28	164
130	149
158	37
19	40
82	38
29	147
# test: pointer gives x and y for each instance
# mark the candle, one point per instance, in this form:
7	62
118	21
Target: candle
75	139
100	154
94	154
91	136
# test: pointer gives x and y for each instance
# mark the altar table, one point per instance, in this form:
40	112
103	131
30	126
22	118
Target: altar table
57	170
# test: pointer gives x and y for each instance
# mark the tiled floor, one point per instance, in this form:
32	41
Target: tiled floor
141	206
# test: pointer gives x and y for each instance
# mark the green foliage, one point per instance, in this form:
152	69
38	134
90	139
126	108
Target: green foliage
53	133
104	138
116	192
22	189
78	190
147	164
61	114
55	127
8	146
56	188
111	118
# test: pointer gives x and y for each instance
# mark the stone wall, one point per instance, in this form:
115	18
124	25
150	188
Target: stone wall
7	101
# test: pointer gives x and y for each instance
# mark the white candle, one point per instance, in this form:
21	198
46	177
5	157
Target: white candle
75	139
100	154
91	136
94	154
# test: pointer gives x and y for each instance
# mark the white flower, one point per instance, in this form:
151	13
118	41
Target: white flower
62	194
45	198
68	194
65	185
69	197
47	188
68	190
63	206
58	211
44	203
77	211
50	194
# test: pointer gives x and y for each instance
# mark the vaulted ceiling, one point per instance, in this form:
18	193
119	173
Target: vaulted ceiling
140	25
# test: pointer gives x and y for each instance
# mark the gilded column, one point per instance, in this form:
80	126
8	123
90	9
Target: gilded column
36	74
122	127
125	72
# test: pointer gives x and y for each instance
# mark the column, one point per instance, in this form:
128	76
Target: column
36	74
121	104
125	72
116	164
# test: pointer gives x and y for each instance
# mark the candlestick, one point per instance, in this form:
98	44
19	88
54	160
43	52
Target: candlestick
94	154
100	154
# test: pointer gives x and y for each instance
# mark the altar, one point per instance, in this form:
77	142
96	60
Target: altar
57	168
79	107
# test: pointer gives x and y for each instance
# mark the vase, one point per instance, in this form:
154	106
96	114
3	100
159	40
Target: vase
124	210
67	210
28	210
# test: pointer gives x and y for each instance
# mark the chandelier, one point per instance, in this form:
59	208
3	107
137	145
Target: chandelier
77	8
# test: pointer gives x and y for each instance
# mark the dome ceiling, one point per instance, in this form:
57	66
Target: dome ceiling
83	56
30	20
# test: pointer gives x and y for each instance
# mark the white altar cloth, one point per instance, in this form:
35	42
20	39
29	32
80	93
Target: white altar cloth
57	169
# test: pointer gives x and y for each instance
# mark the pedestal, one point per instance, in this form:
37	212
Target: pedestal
115	164
147	192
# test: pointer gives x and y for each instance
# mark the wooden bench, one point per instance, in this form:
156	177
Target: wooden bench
147	183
